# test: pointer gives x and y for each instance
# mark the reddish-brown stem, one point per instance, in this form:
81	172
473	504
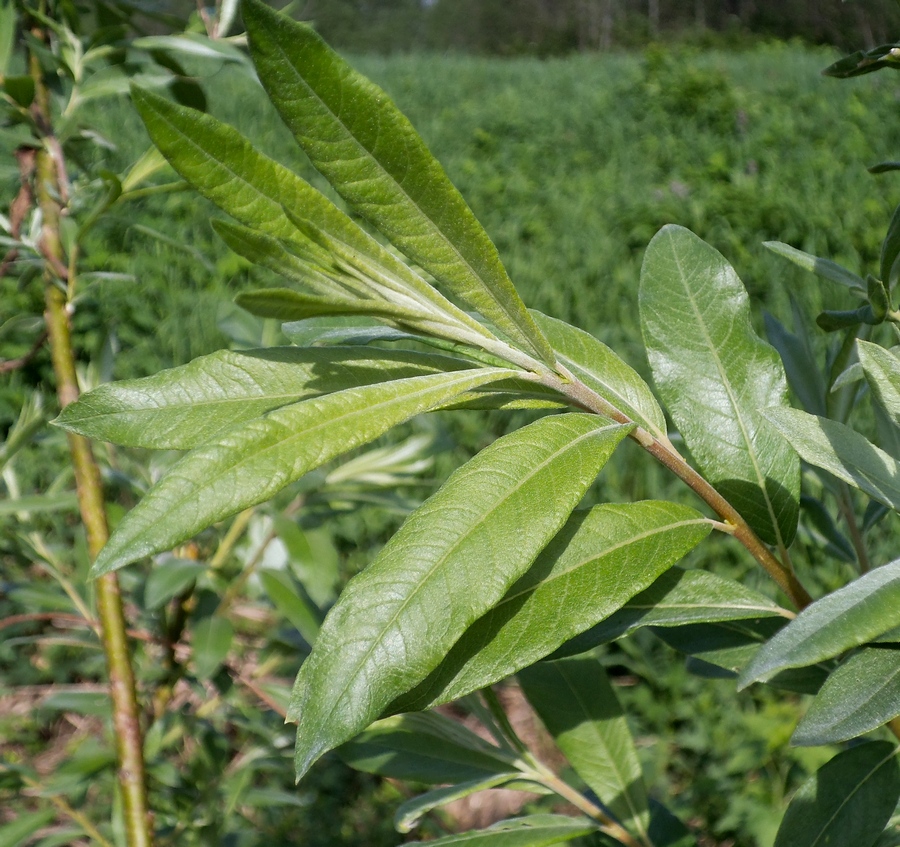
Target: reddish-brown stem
663	452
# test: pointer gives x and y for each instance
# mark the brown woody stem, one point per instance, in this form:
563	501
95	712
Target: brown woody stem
781	573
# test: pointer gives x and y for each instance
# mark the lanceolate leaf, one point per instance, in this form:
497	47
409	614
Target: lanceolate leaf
225	167
861	695
715	375
285	304
375	159
824	268
853	615
599	560
882	369
453	559
848	801
188	406
601	370
532	831
252	462
426	748
678	597
846	454
575	701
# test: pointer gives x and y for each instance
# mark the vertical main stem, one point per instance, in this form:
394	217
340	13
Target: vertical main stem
126	715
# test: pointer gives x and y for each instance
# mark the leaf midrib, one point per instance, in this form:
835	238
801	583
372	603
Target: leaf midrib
426	577
760	478
330	422
436	230
612	761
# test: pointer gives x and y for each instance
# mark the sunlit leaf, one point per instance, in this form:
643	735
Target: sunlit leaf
597	562
841	451
882	370
251	462
190	405
601	370
396	620
715	376
677	597
371	154
846	618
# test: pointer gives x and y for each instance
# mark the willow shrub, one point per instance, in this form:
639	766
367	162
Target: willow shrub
501	572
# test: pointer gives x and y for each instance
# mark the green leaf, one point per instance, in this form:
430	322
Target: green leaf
821	526
677	597
847	802
7	34
601	370
427	748
371	154
191	44
531	831
397	620
844	619
715	375
25	825
890	250
598	561
211	641
252	462
577	705
228	170
283	593
410	813
65	501
284	304
861	695
882	370
168	580
187	406
824	268
846	454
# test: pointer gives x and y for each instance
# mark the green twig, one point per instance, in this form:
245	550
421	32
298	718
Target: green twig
126	718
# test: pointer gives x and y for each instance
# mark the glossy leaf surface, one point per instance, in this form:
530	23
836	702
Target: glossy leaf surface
715	375
599	560
371	154
531	831
847	618
843	452
861	695
453	559
252	462
848	801
577	704
285	304
187	406
601	370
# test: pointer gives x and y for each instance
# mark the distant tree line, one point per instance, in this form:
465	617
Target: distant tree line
547	27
